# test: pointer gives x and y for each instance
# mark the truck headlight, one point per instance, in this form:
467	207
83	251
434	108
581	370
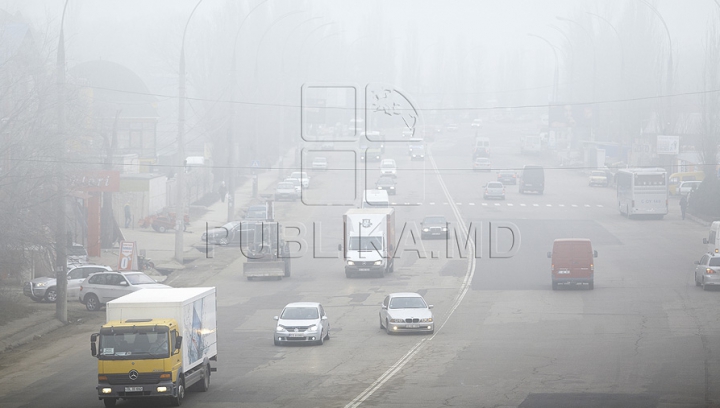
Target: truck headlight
444	229
350	263
426	229
107	390
380	262
161	389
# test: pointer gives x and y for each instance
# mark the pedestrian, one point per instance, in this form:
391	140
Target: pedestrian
128	215
683	205
222	191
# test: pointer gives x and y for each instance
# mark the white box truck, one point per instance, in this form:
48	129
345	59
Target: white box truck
369	241
156	344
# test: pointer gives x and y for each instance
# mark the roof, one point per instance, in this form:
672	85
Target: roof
169	295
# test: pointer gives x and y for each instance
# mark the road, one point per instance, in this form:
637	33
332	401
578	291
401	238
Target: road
644	337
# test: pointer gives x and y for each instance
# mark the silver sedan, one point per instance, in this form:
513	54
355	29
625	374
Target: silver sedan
302	322
406	312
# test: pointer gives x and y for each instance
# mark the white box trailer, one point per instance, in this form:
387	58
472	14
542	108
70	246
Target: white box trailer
369	241
156	344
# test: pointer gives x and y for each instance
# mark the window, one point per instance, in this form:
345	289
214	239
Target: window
99	279
366	243
76	273
704	260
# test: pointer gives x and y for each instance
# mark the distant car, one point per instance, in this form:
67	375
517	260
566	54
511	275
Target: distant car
406	312
707	271
103	287
303	177
494	189
507	177
286	191
686	187
388	168
386	183
434	226
296	183
532	178
373	154
234	232
319	163
451	127
45	288
598	178
477	123
482	164
407	133
256	213
76	255
302	322
417	152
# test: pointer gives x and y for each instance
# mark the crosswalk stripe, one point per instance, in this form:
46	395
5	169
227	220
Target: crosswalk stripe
573	205
522	205
548	205
510	204
485	204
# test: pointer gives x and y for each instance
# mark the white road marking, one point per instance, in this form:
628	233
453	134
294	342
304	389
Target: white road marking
510	204
548	205
522	205
536	205
432	203
471	204
485	204
587	205
599	205
573	205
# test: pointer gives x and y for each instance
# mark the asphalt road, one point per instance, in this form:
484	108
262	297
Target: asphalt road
644	337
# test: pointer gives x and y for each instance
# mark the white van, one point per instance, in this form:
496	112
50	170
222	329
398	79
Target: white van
713	239
375	199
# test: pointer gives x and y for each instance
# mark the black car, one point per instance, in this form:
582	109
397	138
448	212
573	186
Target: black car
434	226
386	183
532	179
507	177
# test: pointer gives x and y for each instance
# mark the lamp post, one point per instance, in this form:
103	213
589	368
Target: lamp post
180	210
231	139
592	43
61	228
557	64
620	43
669	79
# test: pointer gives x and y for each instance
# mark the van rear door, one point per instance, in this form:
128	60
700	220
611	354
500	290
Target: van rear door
572	260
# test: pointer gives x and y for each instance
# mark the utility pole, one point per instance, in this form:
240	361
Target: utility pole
61	228
180	176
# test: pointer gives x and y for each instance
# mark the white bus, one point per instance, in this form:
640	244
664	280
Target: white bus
530	144
642	191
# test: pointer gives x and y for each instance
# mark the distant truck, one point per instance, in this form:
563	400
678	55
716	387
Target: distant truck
369	236
156	344
530	144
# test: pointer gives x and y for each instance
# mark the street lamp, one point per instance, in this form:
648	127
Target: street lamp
557	64
61	229
180	210
620	43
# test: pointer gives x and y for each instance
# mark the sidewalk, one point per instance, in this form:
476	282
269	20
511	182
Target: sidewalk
159	247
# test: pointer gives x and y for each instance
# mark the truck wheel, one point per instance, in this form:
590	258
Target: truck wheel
92	303
109	402
178	399
554	285
51	295
591	285
205	384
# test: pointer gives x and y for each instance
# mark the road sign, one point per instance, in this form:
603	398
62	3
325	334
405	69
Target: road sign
255	164
128	256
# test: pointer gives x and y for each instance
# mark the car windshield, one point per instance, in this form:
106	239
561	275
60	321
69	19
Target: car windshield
299	313
139	279
385	180
366	244
435	220
120	344
495	185
286	186
598	173
407	303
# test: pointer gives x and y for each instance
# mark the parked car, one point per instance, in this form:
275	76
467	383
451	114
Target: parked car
494	189
686	187
388	168
297	184
285	191
406	312
433	226
482	163
707	271
256	213
100	288
303	177
232	233
598	178
45	288
319	163
76	255
302	322
386	183
507	177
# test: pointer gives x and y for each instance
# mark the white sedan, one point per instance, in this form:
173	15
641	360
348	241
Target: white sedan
406	312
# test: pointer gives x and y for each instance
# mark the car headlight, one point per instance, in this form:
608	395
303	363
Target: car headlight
351	263
380	262
279	329
312	328
426	320
392	188
426	229
40	284
397	321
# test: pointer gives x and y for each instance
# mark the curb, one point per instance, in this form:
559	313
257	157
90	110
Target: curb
29	334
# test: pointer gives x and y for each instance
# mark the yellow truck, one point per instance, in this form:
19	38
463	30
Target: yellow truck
156	344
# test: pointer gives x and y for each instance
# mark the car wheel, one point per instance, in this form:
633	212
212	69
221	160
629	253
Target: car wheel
381	325
109	402
327	334
704	286
321	341
697	283
161	229
276	342
178	399
51	295
387	327
92	303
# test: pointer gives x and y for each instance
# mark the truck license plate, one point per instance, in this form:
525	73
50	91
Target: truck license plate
364	269
133	389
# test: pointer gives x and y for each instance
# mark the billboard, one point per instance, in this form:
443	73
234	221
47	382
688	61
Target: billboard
668	144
